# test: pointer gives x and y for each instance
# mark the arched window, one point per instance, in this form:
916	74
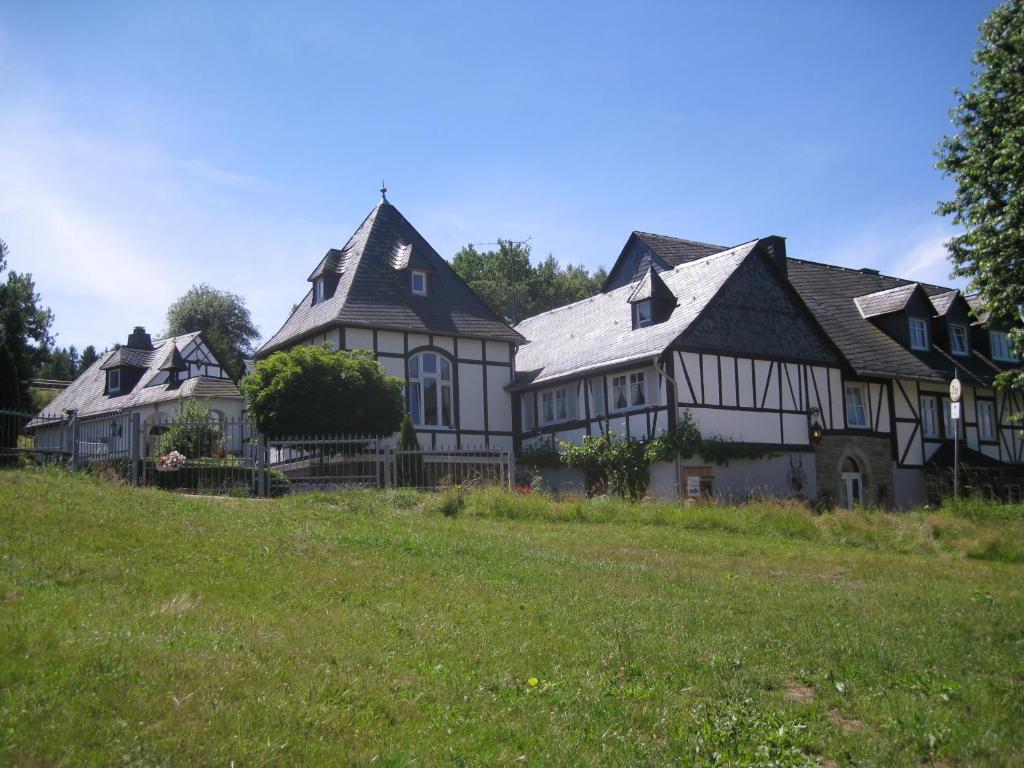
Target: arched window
852	483
430	390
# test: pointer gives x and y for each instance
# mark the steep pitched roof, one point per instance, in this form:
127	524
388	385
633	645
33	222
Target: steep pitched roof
651	287
886	301
597	333
86	393
943	301
835	296
675	250
373	290
172	360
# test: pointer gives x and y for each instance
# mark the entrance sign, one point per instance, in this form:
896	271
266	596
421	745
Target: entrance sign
693	486
955	390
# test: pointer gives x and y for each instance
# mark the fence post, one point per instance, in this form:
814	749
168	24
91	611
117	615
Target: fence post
73	416
134	449
261	467
511	458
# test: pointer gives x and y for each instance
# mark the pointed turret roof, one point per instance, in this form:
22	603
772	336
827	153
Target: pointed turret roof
374	291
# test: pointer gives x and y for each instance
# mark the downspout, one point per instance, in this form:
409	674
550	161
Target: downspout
675	393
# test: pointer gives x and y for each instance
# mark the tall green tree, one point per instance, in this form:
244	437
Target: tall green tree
24	323
60	364
89	356
224	320
515	288
985	159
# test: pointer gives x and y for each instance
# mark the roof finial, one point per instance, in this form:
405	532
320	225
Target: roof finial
383	192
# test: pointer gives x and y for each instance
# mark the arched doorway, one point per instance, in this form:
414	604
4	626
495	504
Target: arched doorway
851	483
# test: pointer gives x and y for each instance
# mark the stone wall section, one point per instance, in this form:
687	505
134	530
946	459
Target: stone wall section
873	454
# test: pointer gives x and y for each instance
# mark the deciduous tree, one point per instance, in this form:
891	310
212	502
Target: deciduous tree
224	320
985	159
513	287
24	324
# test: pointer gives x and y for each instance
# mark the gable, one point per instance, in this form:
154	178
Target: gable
633	263
757	313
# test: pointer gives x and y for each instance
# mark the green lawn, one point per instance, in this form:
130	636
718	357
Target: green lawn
143	628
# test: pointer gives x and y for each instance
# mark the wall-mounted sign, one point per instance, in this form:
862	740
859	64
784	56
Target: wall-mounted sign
955	390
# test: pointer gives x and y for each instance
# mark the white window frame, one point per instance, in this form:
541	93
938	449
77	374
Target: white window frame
638	320
1001	350
918	322
527	401
112	375
422	290
632	383
441	379
964	349
865	422
987	417
558	398
929	429
947	419
318	290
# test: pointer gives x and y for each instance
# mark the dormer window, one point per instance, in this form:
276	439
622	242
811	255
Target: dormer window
641	314
318	290
958	340
114	381
919	334
419	282
1001	347
173	379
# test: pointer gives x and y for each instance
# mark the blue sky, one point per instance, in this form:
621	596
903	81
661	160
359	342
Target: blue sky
145	147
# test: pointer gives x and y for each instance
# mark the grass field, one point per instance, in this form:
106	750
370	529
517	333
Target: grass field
143	628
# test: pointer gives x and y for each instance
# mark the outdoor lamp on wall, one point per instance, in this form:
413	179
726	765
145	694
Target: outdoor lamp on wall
816	431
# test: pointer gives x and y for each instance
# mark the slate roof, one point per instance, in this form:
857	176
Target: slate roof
651	287
128	356
943	301
978	307
373	289
675	250
832	294
172	359
86	393
597	332
886	301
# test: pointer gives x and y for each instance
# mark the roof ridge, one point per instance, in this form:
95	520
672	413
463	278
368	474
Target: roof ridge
681	239
858	271
631	285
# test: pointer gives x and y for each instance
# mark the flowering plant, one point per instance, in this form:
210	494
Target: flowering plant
170	462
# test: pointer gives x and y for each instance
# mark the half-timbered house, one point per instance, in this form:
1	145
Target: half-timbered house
387	290
723	337
880	409
151	378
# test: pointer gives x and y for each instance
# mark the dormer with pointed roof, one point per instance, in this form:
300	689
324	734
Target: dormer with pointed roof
652	300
